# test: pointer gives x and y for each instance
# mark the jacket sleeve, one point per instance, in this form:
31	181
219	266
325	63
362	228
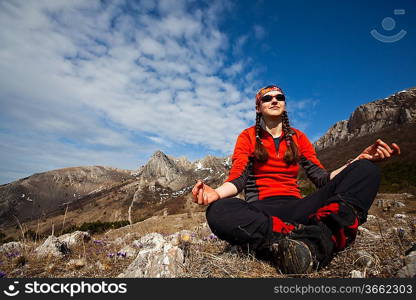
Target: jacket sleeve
241	162
311	164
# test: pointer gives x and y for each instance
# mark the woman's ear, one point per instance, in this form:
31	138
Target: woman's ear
258	109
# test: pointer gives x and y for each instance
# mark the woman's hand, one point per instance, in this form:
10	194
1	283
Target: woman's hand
203	194
379	151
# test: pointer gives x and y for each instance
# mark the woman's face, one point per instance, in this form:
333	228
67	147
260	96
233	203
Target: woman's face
273	108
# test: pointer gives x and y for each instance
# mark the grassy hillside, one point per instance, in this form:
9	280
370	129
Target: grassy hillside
398	173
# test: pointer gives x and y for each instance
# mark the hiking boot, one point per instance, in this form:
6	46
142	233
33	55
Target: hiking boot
293	256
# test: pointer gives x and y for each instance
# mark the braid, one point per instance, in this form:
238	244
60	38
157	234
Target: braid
260	152
292	153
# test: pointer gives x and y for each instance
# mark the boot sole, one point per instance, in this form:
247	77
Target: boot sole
294	257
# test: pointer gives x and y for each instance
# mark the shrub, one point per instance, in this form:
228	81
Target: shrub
97	226
398	177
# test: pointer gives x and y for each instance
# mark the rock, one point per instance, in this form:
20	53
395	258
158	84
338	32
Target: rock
399	204
381	203
156	259
357	274
151	240
408	196
400	216
161	170
12	248
52	247
411	249
364	259
399	108
368	234
409	268
77	263
371	217
75	238
124	238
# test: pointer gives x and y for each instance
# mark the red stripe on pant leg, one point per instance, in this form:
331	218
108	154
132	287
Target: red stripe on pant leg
340	240
280	226
352	231
345	236
326	210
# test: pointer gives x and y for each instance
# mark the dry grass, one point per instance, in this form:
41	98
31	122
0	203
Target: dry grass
210	257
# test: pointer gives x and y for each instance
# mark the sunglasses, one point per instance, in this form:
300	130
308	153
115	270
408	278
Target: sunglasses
268	98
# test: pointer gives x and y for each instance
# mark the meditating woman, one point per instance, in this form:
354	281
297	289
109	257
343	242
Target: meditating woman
299	234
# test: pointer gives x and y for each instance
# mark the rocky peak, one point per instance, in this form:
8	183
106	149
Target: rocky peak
182	162
159	165
395	110
211	162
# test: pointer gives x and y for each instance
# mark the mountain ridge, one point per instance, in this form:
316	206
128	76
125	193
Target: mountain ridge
397	109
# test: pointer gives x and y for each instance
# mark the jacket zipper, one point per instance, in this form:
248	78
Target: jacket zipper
277	150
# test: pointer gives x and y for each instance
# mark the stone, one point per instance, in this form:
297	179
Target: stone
409	268
411	249
156	259
77	263
75	238
12	248
151	240
368	234
52	247
364	259
357	274
381	203
399	204
400	216
122	240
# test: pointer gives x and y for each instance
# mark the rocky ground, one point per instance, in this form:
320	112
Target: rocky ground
183	246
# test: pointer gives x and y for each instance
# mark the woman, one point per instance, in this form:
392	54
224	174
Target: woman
299	234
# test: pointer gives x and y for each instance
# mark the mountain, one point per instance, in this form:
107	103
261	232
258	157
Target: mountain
392	112
43	193
392	119
72	196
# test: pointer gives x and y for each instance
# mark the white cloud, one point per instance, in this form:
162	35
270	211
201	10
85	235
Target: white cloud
87	82
94	75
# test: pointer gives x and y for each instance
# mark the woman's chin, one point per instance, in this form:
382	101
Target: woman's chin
275	113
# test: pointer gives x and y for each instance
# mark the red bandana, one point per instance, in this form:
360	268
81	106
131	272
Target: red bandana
264	91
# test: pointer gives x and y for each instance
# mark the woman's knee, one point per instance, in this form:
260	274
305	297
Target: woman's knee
368	168
217	211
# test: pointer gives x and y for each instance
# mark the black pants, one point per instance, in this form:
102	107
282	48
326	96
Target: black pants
342	204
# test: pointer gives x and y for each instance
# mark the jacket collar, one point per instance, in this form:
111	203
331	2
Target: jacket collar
263	126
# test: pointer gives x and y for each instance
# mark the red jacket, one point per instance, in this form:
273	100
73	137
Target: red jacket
275	177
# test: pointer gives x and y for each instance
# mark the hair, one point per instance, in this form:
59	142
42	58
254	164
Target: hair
292	152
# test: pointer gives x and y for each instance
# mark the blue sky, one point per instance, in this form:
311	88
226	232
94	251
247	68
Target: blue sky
110	82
